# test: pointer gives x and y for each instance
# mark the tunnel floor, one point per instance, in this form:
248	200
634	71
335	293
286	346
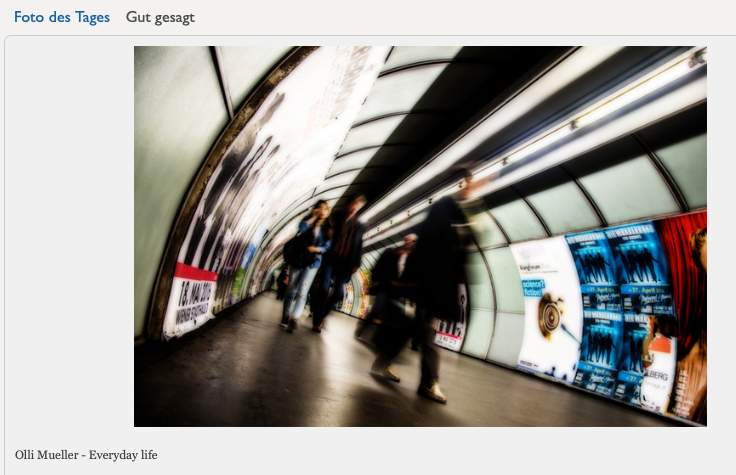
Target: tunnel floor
242	369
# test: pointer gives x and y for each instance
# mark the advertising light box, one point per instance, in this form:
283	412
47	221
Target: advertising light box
553	309
602	318
621	312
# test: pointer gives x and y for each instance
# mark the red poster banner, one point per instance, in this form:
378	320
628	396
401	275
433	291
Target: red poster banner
192	273
684	240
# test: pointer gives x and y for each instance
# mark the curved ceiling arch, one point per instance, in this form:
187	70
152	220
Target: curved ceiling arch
383	143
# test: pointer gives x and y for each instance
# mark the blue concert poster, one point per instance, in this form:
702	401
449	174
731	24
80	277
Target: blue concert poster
638	254
593	258
648	299
601	297
631	368
601	351
642	269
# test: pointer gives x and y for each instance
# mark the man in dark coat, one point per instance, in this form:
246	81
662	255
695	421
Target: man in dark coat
440	257
385	279
392	280
341	261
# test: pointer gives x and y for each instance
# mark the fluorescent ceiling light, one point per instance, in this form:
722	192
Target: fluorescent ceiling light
632	92
574	66
645	86
677	100
538	144
489	170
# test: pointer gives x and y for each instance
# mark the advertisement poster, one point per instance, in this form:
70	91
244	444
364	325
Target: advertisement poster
642	268
190	301
307	115
553	308
451	335
647	368
659	356
601	352
348	298
237	286
684	241
648	306
593	258
236	280
365	277
602	318
631	368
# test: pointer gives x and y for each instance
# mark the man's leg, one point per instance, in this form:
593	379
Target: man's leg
337	293
417	332
394	331
342	277
430	356
429	386
321	306
290	297
300	298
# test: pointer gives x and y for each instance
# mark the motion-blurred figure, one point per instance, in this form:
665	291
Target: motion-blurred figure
440	258
387	282
341	261
300	278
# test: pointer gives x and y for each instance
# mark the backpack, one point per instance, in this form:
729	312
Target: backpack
295	250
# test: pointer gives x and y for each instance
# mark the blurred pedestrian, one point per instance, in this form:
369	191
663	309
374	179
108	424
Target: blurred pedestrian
440	258
342	260
396	284
316	228
384	282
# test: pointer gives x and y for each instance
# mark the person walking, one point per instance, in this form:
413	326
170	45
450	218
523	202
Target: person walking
440	258
342	260
394	288
316	227
384	286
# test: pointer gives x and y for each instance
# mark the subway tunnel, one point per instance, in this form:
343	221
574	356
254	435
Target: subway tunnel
588	226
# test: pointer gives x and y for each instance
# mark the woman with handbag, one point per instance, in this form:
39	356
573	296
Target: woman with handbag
311	242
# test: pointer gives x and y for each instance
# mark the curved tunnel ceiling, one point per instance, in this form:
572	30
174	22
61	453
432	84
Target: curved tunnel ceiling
420	101
421	107
656	171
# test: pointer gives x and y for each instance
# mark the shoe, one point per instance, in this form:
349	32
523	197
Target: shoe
390	375
432	392
284	322
385	371
317	328
292	326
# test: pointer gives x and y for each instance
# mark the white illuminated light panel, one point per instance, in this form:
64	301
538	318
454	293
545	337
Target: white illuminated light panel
640	88
577	64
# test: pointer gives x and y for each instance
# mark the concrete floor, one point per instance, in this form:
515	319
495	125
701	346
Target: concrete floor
242	369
